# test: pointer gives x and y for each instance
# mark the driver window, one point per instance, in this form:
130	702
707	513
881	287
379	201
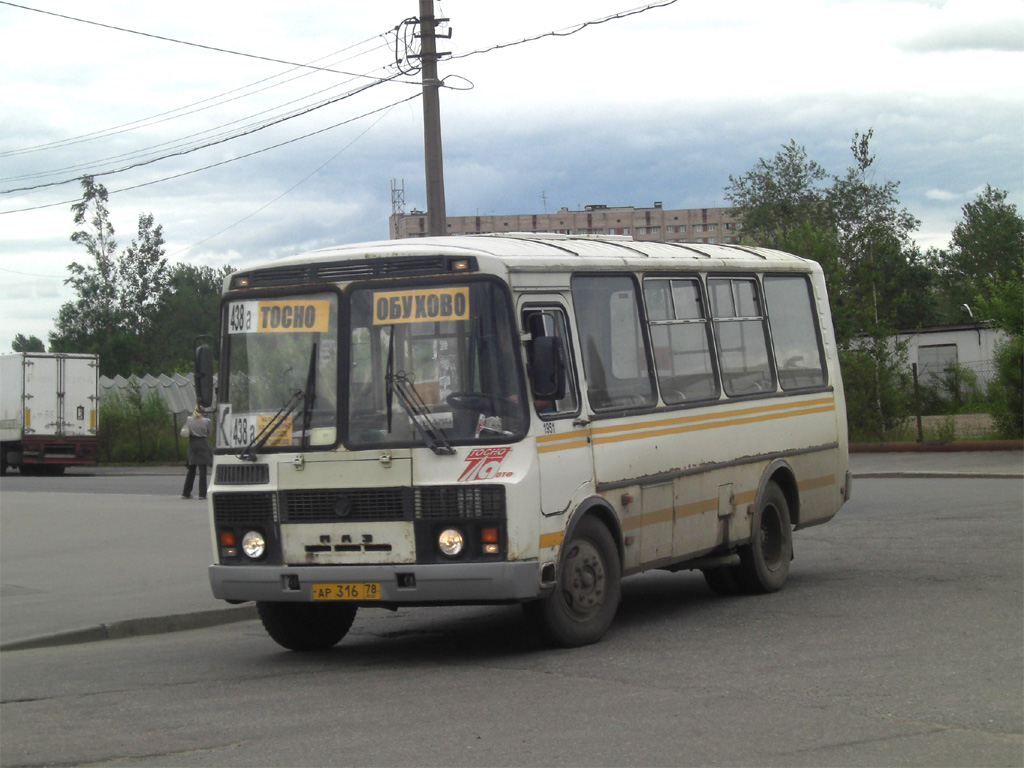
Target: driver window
551	322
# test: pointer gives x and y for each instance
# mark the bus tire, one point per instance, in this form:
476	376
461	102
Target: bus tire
306	626
764	562
724	581
586	597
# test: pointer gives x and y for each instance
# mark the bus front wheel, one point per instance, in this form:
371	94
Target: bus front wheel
306	626
764	562
586	596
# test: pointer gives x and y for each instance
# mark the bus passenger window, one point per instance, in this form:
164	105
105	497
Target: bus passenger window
795	336
741	336
680	335
614	348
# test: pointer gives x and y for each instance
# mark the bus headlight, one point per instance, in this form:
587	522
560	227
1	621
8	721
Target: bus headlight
253	544
450	541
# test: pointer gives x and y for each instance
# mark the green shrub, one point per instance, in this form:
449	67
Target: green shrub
138	429
1007	389
879	392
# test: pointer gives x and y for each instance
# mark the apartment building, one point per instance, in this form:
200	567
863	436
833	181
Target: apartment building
657	223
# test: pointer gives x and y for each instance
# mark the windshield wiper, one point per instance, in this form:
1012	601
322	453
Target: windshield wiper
249	452
306	396
418	411
400	384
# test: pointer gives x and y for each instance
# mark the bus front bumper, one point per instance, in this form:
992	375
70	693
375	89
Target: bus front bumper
453	584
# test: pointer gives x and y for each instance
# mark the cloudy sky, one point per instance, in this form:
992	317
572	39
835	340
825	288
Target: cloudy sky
662	105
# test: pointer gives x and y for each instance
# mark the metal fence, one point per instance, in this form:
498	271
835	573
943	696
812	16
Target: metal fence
951	402
177	391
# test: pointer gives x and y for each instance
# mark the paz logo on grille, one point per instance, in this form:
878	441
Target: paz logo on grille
485	464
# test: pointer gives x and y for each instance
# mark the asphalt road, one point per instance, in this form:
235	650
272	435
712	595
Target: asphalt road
899	640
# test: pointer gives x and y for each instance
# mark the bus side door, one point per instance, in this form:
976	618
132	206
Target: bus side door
565	458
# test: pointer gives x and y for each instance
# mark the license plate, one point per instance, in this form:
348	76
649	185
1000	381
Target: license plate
351	590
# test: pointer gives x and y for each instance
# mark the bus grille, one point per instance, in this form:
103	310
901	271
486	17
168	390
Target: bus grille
339	506
393	504
243	474
237	508
462	501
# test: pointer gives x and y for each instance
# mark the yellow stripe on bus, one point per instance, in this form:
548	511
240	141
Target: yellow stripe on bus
563	441
562	446
696	508
712	422
617	433
548	540
670	514
813	483
717	417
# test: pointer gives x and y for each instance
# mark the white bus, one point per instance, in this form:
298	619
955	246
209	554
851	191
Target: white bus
516	418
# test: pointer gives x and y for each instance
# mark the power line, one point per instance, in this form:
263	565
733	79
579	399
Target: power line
567	31
224	162
218	140
297	184
181	143
252	128
194	107
174	40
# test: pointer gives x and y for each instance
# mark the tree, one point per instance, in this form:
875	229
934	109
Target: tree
984	267
986	253
142	274
91	322
31	344
884	284
783	204
189	307
132	309
877	279
875	241
779	197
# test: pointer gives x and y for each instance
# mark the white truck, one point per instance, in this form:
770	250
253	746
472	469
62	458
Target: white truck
49	411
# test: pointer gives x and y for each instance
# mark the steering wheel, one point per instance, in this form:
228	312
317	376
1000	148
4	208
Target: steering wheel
476	401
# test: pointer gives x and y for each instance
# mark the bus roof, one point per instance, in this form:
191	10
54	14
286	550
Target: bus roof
528	251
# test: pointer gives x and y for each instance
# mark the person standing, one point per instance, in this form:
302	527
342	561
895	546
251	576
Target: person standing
199	453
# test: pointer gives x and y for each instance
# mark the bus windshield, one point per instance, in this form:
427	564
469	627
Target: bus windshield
434	365
282	373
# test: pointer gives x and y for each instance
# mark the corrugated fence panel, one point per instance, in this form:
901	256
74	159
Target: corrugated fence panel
177	391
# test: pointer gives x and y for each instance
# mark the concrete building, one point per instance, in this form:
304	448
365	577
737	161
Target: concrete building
937	351
657	223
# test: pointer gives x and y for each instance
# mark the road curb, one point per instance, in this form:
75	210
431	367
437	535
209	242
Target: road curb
943	447
118	630
910	474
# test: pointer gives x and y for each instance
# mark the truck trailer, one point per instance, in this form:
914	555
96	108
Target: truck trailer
49	411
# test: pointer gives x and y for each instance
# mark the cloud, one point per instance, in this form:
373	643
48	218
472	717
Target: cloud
662	107
1005	35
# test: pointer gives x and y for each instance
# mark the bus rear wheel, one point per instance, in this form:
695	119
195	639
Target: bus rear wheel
586	596
764	562
306	626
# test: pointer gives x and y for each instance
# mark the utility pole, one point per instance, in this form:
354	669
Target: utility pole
436	216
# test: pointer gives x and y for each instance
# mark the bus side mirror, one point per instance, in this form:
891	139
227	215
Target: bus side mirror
547	367
204	376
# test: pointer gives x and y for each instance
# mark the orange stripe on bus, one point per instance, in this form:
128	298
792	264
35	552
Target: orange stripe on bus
812	483
562	446
548	540
716	415
645	432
